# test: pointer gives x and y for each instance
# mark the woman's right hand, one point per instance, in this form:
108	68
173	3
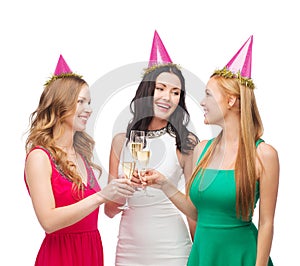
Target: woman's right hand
117	189
154	178
136	180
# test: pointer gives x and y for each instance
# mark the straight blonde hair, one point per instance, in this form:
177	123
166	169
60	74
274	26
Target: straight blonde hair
251	129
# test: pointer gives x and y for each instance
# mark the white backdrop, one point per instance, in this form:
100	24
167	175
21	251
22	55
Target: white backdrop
97	37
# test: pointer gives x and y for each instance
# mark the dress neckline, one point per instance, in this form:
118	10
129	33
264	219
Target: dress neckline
219	170
90	182
159	132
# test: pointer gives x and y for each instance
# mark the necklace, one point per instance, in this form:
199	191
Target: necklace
159	132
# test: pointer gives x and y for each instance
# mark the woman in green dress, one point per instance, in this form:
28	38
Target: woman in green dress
233	171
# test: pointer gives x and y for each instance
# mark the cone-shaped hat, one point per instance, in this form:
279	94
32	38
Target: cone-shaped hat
159	54
242	60
62	67
62	70
240	65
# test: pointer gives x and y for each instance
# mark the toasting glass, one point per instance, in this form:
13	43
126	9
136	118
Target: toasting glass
128	166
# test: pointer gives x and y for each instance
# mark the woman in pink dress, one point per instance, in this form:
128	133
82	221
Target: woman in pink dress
59	174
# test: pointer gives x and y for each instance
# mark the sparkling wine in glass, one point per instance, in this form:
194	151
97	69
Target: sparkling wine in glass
135	147
136	142
128	167
143	157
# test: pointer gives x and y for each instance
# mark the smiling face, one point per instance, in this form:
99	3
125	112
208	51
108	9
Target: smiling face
78	120
214	104
166	95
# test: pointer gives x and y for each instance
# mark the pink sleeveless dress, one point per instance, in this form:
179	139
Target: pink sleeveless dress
76	245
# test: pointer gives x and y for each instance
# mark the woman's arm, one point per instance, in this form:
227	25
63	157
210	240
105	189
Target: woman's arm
187	171
180	200
183	203
111	207
38	178
189	163
269	180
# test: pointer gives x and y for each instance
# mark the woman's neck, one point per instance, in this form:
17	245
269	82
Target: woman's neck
231	130
65	142
68	148
230	137
157	123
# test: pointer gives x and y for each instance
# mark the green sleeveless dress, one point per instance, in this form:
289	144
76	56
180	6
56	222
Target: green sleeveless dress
221	239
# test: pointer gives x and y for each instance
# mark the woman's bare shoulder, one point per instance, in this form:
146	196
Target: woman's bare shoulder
267	152
119	138
198	150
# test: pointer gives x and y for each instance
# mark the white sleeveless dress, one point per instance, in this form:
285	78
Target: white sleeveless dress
153	232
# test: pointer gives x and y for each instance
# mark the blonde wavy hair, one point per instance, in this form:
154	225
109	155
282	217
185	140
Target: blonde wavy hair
58	101
251	129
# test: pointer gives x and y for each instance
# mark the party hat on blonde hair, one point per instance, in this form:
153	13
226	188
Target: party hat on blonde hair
159	55
62	67
62	70
239	66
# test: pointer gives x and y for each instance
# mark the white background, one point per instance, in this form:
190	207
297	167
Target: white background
96	37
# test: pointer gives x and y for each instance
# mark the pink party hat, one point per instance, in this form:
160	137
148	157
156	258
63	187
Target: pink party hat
62	67
62	70
242	60
159	54
240	65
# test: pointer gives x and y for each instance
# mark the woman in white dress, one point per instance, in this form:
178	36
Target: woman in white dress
152	231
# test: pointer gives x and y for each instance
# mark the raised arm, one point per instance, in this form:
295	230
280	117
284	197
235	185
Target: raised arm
180	200
190	162
269	180
38	173
187	166
111	207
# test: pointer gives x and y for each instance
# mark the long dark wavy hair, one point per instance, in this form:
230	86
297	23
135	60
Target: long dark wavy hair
141	107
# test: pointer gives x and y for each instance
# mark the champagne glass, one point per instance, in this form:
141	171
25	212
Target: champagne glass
136	142
143	157
128	167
